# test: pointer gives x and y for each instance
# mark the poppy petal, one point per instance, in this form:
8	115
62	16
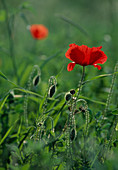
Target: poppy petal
84	55
99	47
99	67
76	54
70	66
97	56
38	31
73	44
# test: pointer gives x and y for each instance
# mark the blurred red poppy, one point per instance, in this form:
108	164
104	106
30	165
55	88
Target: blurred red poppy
38	31
83	55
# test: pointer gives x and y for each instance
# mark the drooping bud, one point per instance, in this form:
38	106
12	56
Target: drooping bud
72	134
36	80
69	108
52	90
68	96
72	91
76	111
82	109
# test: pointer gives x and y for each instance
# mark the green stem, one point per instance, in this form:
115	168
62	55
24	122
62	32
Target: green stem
81	81
11	42
111	91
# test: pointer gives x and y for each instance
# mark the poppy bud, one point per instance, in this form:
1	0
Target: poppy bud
39	124
72	91
80	108
72	134
36	80
52	90
83	110
76	111
68	96
69	108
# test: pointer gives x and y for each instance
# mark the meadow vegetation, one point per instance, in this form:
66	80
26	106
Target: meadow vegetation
51	117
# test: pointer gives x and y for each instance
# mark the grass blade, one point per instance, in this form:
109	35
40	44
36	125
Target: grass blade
3	76
74	24
3	101
94	101
27	91
100	76
8	132
49	58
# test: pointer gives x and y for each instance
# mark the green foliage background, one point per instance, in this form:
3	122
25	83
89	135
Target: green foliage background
98	21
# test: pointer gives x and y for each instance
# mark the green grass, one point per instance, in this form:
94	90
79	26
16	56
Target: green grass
39	128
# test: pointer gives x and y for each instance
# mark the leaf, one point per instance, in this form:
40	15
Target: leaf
26	166
61	166
94	101
58	114
50	123
100	76
74	24
27	6
21	142
115	111
25	73
2	15
3	101
8	132
3	76
27	91
49	58
19	130
19	88
116	127
106	126
56	118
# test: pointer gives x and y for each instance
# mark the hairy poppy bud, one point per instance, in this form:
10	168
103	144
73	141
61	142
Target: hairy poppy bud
36	80
68	96
72	91
83	110
69	108
52	90
72	134
76	111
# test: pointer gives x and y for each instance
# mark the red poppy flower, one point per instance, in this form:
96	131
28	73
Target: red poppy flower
38	31
83	55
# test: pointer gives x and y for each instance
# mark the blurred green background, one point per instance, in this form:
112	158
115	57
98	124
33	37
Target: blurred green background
93	23
99	19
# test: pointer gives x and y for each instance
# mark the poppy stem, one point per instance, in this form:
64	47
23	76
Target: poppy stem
11	41
81	81
83	74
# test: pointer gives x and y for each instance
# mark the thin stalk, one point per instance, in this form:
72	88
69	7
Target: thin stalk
81	81
111	91
84	135
112	131
11	42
